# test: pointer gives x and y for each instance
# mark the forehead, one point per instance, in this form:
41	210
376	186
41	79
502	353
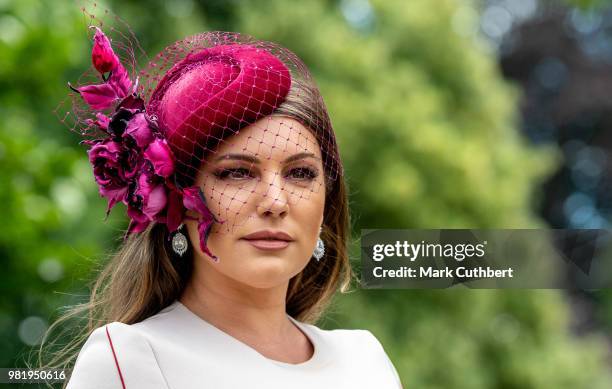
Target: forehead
272	137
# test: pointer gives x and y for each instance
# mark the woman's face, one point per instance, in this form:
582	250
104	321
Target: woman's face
269	176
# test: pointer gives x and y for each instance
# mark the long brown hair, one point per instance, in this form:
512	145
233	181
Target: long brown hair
143	276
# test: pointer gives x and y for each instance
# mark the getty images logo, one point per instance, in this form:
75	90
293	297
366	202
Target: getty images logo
413	251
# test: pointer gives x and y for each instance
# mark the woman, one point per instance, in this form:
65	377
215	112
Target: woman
239	225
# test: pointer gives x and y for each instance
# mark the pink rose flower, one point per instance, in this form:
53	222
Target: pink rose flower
138	129
146	202
160	157
106	157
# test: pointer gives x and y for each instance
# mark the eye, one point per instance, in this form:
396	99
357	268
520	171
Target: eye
234	173
303	173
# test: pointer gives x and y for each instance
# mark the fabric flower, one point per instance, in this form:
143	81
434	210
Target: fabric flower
146	201
99	96
102	55
132	101
174	213
118	84
120	81
138	130
133	163
160	157
119	121
109	170
101	121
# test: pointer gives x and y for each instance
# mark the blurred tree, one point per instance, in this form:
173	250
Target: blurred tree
585	4
48	230
427	132
562	58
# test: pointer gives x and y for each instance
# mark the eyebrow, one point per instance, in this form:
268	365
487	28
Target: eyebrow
250	158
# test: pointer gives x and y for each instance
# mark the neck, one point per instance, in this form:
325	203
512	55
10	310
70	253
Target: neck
258	313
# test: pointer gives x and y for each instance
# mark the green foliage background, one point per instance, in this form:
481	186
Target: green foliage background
428	132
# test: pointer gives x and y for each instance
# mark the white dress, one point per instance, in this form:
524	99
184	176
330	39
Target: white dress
176	349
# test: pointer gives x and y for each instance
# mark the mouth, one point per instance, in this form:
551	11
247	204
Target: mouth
269	239
268	244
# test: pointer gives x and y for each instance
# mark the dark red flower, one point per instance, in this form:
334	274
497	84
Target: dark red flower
148	198
138	130
108	160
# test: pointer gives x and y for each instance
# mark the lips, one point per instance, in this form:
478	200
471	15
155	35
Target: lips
269	235
266	244
269	240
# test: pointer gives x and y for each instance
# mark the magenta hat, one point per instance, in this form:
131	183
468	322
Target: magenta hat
213	93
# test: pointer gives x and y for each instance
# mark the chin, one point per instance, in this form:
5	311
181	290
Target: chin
266	272
266	282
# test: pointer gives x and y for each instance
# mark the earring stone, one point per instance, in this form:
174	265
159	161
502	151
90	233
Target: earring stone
319	250
179	242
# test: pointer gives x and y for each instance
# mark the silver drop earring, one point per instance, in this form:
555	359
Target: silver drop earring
319	251
179	242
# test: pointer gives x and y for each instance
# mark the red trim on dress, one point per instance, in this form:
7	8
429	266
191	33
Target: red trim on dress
115	357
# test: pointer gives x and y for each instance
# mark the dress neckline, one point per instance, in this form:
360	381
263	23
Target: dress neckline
315	340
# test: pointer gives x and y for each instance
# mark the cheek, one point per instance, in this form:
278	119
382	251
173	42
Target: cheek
218	242
228	202
312	202
308	213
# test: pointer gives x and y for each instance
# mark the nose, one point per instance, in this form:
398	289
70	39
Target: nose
274	201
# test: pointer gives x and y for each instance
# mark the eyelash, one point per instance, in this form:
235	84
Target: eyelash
223	174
